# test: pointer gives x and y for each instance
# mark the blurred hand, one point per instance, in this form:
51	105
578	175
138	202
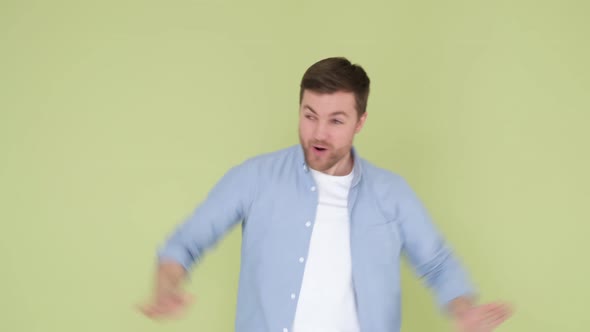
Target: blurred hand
167	304
482	318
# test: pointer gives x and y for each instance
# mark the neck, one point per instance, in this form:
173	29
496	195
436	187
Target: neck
342	167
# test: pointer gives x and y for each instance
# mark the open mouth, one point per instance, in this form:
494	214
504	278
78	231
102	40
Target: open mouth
319	148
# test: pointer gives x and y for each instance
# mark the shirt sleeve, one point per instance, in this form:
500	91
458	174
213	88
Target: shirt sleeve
225	205
429	255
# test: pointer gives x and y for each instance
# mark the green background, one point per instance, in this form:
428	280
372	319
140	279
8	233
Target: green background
117	117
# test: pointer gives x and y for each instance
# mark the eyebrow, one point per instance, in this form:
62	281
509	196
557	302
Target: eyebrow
332	114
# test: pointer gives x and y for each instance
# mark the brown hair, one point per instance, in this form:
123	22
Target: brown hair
337	74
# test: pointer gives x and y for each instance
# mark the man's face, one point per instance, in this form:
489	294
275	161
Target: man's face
327	125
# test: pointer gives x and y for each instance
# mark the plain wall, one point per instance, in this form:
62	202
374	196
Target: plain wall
117	117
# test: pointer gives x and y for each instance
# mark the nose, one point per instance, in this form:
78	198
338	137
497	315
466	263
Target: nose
320	131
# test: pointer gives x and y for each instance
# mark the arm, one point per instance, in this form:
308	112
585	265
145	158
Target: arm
433	260
428	253
226	204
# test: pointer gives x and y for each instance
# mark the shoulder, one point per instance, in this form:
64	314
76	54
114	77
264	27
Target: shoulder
273	160
385	184
248	173
382	178
391	192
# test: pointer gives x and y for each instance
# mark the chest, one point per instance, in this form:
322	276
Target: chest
283	221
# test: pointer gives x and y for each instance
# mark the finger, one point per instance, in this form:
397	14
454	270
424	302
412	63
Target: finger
492	310
173	305
154	310
169	301
180	299
159	310
501	318
491	323
172	311
150	310
167	305
144	309
177	298
491	306
503	311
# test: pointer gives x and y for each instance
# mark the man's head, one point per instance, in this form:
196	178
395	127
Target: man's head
333	101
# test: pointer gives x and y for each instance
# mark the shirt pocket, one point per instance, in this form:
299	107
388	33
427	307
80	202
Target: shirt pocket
380	241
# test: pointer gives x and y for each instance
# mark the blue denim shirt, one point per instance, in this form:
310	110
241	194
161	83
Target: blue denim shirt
275	199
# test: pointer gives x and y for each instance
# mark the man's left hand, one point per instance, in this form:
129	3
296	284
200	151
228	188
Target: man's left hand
482	318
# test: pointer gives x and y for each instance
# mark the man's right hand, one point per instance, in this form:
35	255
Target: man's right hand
169	301
171	305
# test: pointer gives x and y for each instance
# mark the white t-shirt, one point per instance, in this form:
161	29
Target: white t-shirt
326	301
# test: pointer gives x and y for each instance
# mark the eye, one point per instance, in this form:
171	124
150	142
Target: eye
336	121
309	116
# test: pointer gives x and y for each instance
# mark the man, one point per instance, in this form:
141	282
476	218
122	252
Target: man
323	230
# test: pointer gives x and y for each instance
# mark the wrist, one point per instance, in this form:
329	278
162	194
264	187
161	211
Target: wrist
460	306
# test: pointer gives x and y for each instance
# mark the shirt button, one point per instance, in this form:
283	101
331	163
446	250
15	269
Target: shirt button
307	224
293	296
301	259
285	330
312	188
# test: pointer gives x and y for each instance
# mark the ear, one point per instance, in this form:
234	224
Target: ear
360	123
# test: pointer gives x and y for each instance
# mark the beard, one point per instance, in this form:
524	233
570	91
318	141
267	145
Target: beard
322	160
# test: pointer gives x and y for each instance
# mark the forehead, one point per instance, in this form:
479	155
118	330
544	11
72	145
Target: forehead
326	103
